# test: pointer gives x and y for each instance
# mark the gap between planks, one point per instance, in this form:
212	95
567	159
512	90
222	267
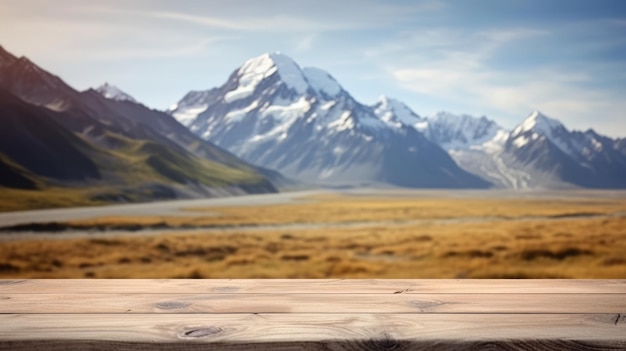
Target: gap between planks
308	286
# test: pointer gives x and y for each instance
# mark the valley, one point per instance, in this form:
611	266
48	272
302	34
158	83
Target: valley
382	233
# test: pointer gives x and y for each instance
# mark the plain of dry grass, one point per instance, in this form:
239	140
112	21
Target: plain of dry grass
534	248
341	209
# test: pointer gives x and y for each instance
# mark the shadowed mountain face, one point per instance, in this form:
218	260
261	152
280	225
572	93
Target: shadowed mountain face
53	134
6	58
14	176
31	138
301	122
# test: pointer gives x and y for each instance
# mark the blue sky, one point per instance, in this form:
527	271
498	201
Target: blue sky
499	58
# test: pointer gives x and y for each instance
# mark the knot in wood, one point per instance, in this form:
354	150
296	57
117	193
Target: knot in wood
171	305
426	304
202	332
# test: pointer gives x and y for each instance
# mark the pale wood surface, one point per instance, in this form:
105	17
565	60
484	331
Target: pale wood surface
309	327
312	314
311	303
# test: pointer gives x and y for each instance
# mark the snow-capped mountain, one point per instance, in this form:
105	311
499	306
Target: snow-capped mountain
536	126
114	93
545	147
539	153
301	122
395	113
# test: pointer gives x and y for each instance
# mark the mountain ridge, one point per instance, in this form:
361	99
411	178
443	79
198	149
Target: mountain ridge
265	101
305	125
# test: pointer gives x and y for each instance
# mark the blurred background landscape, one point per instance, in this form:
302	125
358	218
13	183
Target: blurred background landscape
313	140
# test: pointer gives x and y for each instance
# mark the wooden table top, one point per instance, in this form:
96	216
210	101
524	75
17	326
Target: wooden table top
288	314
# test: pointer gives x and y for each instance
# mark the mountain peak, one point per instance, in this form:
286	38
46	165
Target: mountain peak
266	62
538	122
266	65
300	80
257	69
392	110
114	93
386	100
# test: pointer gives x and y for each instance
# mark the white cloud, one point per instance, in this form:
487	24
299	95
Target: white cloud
458	68
560	94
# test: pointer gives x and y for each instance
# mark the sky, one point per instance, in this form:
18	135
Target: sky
499	58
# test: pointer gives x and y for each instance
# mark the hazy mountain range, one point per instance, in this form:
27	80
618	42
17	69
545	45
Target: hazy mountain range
273	116
301	122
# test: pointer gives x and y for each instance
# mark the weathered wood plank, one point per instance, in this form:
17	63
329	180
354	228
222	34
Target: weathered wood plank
313	331
312	314
306	286
312	303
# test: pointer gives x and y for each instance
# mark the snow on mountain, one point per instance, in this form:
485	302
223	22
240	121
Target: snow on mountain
537	122
322	82
463	132
539	153
476	145
537	126
114	93
301	122
256	69
545	146
192	104
396	113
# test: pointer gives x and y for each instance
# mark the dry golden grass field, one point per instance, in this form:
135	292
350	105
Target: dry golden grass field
343	237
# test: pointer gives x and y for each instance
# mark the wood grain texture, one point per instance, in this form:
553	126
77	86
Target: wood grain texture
308	286
312	303
250	328
312	315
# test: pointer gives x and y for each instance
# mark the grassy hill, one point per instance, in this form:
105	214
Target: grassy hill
42	164
61	147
